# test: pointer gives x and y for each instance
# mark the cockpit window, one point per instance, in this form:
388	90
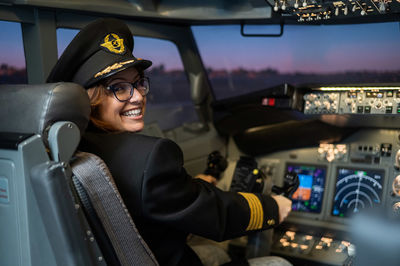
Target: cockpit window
169	102
330	54
12	56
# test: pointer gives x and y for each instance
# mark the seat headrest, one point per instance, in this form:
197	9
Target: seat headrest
34	108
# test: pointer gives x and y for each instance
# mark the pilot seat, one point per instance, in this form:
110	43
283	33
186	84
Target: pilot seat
58	206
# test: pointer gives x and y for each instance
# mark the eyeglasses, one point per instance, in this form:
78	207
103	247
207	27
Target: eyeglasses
123	91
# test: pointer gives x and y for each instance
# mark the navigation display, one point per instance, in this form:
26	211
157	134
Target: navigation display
357	189
308	197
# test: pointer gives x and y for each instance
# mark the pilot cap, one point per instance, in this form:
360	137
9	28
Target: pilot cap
99	50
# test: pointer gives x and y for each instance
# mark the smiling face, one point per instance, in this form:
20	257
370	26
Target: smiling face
121	116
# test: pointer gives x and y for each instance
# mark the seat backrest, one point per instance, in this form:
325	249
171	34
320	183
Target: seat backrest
42	201
39	219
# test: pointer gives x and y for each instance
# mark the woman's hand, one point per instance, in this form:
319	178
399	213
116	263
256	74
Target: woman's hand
208	178
284	206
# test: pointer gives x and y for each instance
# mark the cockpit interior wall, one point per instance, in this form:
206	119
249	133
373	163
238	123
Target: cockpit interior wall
321	101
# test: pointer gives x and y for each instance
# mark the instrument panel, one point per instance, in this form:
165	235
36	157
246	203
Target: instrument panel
357	189
318	11
308	197
337	182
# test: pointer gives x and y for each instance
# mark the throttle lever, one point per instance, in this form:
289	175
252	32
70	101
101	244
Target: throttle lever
290	185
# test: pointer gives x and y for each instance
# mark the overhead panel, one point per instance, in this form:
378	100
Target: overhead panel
338	10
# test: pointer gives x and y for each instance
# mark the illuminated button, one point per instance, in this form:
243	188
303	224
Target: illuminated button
360	109
271	102
303	247
326	245
308	237
255	172
285	244
318	247
389	109
389	94
290	234
367	109
294	245
326	239
345	243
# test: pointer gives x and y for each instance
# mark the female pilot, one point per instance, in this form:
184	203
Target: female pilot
165	202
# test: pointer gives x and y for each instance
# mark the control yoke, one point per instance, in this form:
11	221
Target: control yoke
290	185
247	177
216	164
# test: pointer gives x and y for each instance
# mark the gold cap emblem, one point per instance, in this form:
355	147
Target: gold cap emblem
113	43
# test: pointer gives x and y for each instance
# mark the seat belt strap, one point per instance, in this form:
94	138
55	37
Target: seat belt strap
96	226
95	177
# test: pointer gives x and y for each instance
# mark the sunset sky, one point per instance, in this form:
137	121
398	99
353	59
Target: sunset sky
319	49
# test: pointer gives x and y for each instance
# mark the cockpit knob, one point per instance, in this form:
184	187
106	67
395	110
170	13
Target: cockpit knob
346	10
311	97
276	7
397	160
382	7
396	186
327	105
348	101
396	207
332	97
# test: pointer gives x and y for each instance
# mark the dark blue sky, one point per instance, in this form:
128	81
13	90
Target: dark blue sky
308	49
304	48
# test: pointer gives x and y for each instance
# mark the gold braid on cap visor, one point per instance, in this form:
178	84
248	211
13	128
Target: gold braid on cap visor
113	67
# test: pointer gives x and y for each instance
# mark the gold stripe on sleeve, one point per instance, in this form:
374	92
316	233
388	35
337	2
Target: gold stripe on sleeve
256	211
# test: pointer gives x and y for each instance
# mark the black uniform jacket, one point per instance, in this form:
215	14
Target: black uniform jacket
167	204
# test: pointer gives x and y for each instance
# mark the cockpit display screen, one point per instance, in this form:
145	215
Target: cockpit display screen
308	197
357	189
